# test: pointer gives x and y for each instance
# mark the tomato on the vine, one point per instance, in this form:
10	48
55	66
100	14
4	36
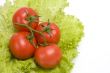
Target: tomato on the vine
48	56
51	33
25	16
20	45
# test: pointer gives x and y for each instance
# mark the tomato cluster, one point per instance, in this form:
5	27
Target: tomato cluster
35	38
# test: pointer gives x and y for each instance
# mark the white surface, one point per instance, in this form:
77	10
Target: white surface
2	2
94	49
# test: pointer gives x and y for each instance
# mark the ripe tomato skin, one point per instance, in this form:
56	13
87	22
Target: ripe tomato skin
20	47
53	37
48	56
20	17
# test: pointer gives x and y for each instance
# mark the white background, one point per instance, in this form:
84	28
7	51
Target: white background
94	48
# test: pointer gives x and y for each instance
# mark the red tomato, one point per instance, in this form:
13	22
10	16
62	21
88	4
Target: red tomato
48	56
51	33
20	46
25	15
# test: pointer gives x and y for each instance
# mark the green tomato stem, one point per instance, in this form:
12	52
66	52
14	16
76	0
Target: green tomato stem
32	33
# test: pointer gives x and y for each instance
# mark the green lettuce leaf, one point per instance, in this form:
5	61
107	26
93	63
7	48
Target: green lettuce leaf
71	33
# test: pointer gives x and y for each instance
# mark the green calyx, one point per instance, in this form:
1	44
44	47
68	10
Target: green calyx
30	38
47	28
32	18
